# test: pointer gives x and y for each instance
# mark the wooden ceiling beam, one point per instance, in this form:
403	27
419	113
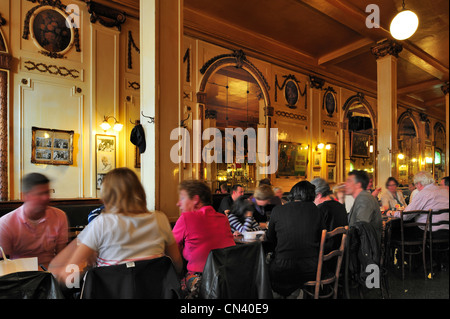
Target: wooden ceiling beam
346	52
419	87
346	14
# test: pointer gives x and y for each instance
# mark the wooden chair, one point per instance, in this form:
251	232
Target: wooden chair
431	240
410	241
334	277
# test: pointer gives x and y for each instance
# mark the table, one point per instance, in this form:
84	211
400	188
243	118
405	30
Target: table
240	240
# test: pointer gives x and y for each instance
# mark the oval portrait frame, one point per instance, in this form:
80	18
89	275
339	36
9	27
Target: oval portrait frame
329	102
37	39
291	93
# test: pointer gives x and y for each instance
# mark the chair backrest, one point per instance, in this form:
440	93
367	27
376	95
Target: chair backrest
144	279
339	253
437	218
30	285
236	272
414	223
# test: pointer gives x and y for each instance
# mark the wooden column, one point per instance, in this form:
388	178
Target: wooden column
447	114
386	52
161	32
5	64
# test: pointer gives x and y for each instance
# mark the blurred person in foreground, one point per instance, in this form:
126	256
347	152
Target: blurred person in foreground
294	235
34	229
365	207
125	231
199	230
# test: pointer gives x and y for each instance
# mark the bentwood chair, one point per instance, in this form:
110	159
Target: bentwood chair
441	244
412	244
322	282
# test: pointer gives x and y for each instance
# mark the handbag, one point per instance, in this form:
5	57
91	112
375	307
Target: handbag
8	266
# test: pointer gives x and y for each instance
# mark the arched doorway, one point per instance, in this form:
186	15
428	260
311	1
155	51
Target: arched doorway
359	136
407	159
233	94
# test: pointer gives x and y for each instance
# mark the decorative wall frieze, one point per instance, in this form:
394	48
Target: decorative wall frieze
293	116
330	123
291	89
131	45
52	69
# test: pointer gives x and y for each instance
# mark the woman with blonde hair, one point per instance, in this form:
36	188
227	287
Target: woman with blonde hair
125	231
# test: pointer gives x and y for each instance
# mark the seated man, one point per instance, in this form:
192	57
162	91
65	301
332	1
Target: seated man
366	207
430	196
34	229
227	202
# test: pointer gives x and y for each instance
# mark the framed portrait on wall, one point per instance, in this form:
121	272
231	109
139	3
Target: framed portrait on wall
292	159
331	153
53	147
105	149
360	145
331	174
317	159
50	31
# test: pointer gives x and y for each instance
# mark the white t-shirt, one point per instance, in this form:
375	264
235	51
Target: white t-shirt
122	238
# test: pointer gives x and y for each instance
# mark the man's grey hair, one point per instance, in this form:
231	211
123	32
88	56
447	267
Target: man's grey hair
424	178
322	187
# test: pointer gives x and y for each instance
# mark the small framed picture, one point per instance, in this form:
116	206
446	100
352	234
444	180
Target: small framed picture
317	159
105	149
53	147
331	153
331	174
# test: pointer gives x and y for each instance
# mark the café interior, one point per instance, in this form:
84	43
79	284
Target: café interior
343	93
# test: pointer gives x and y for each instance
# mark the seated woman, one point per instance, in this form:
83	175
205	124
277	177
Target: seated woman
294	235
391	196
261	200
241	216
199	230
125	231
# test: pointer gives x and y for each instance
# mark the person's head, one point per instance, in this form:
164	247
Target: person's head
224	188
302	191
422	179
278	191
391	184
265	181
36	194
241	206
193	195
411	187
356	181
236	191
339	192
122	192
445	182
263	194
322	190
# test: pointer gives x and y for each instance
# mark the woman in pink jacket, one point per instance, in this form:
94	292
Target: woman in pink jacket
199	229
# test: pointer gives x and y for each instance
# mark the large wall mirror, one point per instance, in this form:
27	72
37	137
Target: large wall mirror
234	99
439	151
359	140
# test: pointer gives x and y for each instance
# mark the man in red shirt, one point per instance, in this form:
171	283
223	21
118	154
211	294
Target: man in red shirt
34	229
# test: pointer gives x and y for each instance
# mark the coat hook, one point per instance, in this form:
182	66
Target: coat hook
182	124
152	119
136	122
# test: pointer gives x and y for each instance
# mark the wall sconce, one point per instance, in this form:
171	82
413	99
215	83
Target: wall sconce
320	146
106	126
401	156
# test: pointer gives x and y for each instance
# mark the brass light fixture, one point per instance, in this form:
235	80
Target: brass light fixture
404	24
106	126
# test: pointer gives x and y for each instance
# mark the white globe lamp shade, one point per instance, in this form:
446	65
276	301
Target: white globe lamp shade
404	25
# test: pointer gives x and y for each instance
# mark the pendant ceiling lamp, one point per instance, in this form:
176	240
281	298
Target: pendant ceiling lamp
405	24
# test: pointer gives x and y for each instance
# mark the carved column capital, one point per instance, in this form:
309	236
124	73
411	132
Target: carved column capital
386	47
